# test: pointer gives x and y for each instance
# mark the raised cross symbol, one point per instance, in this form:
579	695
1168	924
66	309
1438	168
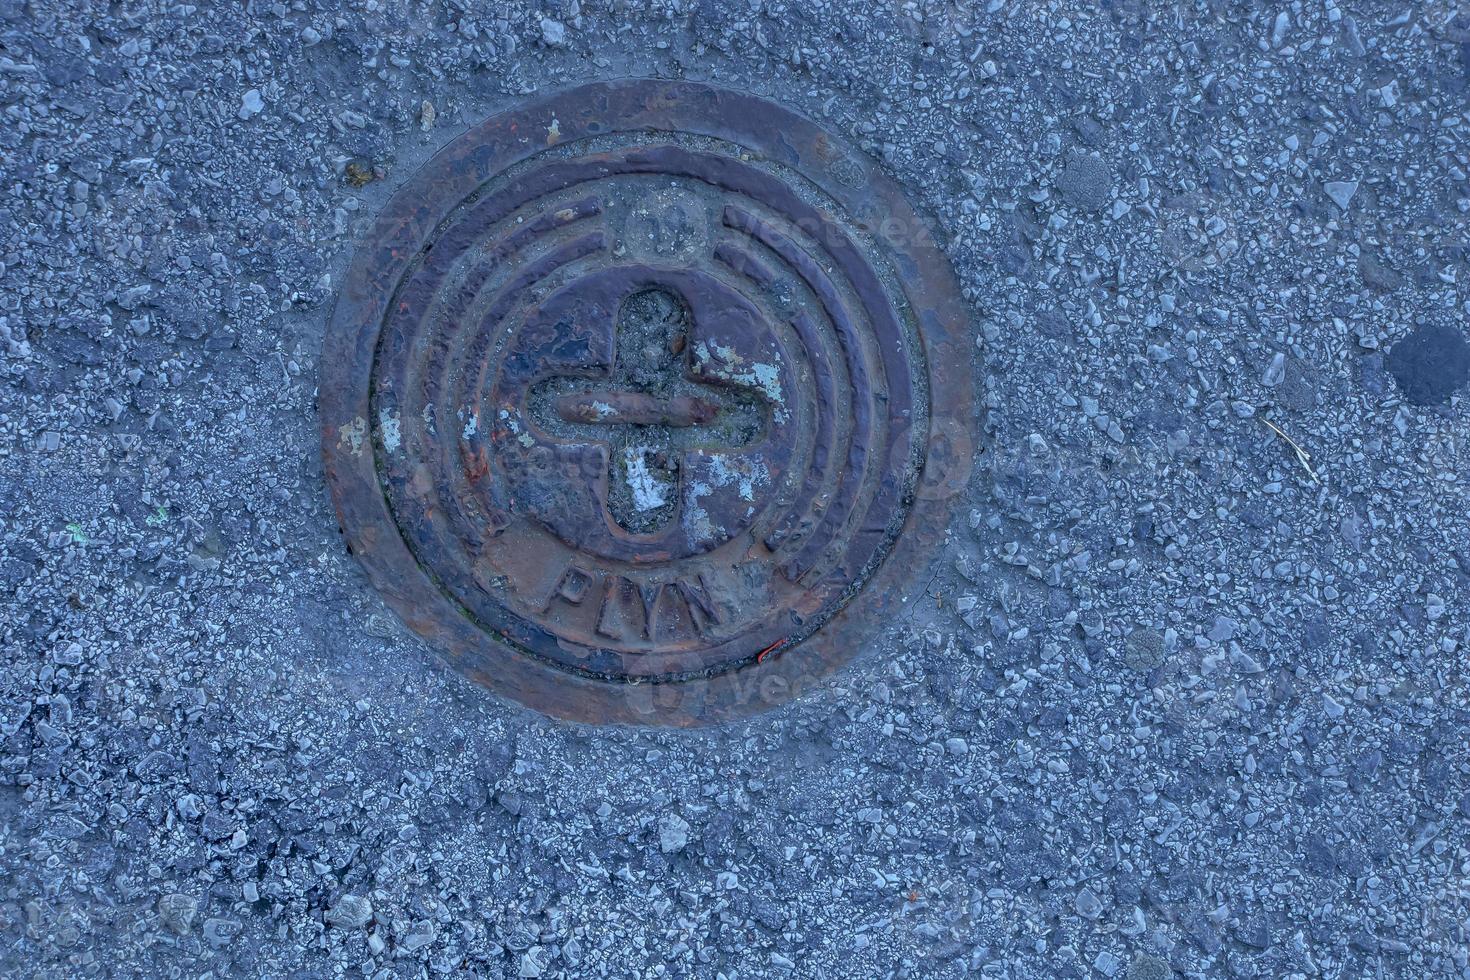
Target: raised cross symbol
647	412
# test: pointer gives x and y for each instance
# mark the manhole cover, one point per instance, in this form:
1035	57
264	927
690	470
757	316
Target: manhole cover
642	402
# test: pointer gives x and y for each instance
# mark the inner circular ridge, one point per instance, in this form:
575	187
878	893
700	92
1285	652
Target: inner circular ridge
763	235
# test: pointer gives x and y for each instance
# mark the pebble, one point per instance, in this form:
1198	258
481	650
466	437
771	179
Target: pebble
1245	663
534	962
673	833
251	104
1087	904
176	912
1341	191
553	32
221	931
1275	371
1434	607
350	912
418	936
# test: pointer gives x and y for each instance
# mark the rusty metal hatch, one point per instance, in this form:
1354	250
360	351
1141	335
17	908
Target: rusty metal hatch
642	402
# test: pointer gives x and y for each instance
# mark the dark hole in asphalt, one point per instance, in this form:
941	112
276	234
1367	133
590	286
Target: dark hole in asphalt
1430	364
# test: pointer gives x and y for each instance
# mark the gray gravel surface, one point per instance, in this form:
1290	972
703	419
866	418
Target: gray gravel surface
1186	692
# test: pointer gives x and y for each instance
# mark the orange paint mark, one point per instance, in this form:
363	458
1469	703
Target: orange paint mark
761	657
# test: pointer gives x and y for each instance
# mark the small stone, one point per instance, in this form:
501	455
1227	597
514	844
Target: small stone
217	825
534	962
553	32
419	935
1087	904
350	912
251	104
59	709
1275	371
188	807
1245	663
673	833
1341	191
52	736
1434	607
1279	28
176	912
957	746
1331	706
1223	630
219	932
427	115
1106	963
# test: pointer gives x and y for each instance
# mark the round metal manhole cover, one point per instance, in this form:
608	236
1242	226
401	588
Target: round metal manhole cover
642	402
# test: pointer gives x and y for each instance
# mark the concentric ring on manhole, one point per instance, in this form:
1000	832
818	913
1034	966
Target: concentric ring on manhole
642	402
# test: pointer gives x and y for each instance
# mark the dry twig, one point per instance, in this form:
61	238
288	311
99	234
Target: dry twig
1303	457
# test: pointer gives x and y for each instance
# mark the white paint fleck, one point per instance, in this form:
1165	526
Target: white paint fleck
698	528
726	354
388	424
769	380
718	470
745	472
649	492
471	420
350	436
723	362
603	409
512	422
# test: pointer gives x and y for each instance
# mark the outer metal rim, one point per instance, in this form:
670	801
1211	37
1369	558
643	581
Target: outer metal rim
767	131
